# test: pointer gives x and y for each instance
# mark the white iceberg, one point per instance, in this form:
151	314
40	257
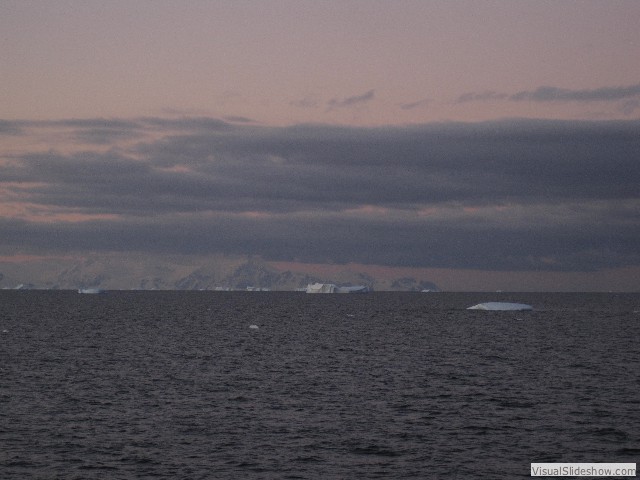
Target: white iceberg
331	288
501	306
321	288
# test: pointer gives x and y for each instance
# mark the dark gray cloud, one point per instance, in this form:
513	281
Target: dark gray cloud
105	136
238	119
517	194
448	244
91	123
416	104
555	94
8	127
351	101
205	124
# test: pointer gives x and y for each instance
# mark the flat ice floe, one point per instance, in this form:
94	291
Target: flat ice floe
501	306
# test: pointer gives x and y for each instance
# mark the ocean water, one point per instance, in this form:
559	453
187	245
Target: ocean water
176	385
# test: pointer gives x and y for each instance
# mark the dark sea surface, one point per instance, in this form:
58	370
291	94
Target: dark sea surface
176	385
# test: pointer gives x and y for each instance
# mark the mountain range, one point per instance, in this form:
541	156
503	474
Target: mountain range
139	272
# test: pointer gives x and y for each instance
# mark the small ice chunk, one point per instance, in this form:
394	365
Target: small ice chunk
501	306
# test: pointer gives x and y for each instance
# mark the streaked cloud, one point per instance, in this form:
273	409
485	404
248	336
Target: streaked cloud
8	127
518	195
417	104
555	94
237	119
351	101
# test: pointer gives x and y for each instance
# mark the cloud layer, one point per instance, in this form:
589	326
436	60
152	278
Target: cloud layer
501	195
553	94
547	94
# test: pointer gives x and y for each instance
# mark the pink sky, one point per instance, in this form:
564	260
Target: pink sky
284	62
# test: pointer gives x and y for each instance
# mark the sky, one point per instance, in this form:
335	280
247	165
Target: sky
493	138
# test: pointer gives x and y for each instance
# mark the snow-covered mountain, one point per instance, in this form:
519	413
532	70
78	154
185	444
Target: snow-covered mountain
124	272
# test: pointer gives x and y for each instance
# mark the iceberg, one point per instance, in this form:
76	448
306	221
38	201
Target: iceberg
354	289
321	288
501	306
331	288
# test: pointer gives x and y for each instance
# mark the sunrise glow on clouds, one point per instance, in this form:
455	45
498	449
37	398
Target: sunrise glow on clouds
451	136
